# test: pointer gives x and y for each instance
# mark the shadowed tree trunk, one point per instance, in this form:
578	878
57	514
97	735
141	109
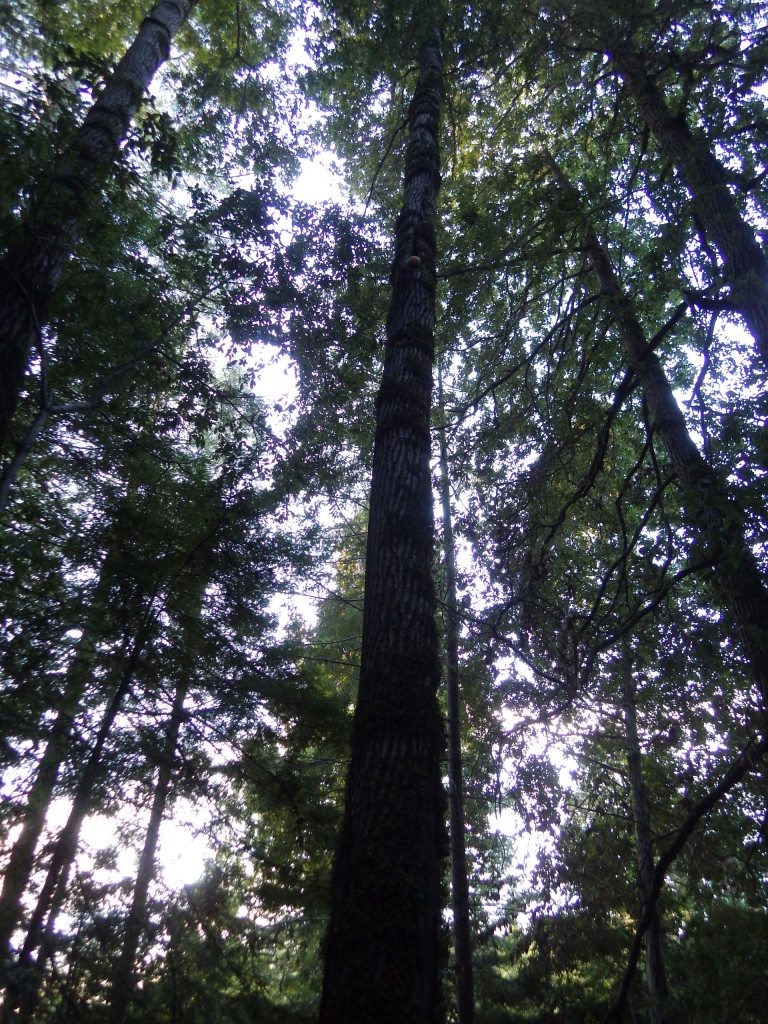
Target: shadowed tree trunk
123	981
24	981
462	932
706	502
382	955
749	759
32	265
654	961
746	266
19	868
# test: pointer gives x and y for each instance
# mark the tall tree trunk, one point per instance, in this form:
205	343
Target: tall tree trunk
462	932
50	900
20	863
382	953
707	504
746	266
32	266
654	961
123	981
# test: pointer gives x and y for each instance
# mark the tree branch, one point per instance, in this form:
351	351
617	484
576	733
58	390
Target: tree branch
747	760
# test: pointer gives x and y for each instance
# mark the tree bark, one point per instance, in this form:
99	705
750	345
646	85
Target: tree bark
746	266
123	980
654	960
382	954
707	504
31	268
462	932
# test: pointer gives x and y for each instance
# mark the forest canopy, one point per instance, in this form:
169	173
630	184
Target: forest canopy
406	551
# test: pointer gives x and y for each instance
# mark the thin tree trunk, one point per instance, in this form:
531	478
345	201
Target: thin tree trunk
50	900
123	981
31	268
654	960
707	504
746	266
382	955
462	932
748	759
21	861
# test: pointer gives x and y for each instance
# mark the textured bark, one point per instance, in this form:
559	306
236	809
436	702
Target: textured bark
382	955
654	960
707	505
21	861
32	266
462	932
124	982
746	266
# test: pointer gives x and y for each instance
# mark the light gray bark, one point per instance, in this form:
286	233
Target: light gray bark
30	270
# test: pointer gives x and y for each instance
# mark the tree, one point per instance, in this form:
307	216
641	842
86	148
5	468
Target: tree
382	950
745	266
641	815
605	439
123	984
21	860
32	264
709	508
465	998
